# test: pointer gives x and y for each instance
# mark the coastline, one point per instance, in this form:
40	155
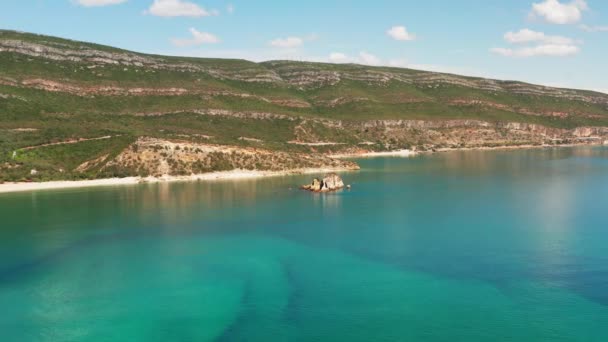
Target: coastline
397	153
514	147
412	153
211	176
11	187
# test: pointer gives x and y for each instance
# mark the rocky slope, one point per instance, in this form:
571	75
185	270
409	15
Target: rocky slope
156	157
428	135
224	114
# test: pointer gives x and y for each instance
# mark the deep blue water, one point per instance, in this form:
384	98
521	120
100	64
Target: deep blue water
493	245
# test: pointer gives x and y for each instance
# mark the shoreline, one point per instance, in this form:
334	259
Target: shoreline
514	147
397	153
413	153
13	187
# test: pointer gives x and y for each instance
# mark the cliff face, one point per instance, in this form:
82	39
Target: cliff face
152	156
427	135
187	115
149	156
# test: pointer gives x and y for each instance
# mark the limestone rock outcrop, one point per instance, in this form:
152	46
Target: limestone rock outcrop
153	156
330	182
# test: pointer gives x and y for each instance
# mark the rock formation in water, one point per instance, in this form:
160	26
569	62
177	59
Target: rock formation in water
330	182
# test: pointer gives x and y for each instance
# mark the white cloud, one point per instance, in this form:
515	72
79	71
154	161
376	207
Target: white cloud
538	44
230	8
178	8
551	50
289	42
529	36
555	12
368	58
363	57
400	33
98	3
593	28
338	57
198	38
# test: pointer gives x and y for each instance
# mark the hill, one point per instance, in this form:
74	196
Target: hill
71	109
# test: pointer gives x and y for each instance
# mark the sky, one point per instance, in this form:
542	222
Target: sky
561	43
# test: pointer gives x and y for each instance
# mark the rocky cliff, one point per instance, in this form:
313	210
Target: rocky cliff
186	115
156	157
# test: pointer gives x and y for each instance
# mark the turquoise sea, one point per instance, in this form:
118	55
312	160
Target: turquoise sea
459	246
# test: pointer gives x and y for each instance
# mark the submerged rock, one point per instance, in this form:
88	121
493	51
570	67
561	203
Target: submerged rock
330	182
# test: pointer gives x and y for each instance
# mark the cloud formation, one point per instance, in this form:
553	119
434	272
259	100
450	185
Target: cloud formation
400	33
339	57
178	8
542	45
288	42
369	59
552	50
529	36
98	3
555	12
363	57
198	38
588	28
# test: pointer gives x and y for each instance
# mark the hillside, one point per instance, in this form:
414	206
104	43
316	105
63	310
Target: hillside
71	109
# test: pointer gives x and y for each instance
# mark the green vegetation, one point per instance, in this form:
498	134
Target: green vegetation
60	161
64	94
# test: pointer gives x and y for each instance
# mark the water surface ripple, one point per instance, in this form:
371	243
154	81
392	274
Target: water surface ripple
493	245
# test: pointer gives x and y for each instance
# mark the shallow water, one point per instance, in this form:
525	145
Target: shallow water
458	246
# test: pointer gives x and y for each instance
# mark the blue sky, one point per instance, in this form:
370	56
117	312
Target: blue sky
553	42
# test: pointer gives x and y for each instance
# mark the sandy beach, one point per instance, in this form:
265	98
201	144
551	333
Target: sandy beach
212	176
248	174
398	153
410	153
514	147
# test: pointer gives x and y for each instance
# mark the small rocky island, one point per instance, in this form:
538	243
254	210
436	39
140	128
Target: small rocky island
330	182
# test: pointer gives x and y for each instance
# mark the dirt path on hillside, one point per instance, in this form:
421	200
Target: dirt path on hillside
66	142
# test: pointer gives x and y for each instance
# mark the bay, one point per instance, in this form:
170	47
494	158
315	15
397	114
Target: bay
475	245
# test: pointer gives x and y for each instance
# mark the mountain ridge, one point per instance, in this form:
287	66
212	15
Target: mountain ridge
272	61
54	90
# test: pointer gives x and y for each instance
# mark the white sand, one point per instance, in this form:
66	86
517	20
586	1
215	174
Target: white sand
399	153
238	174
514	147
410	153
213	176
321	143
17	187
